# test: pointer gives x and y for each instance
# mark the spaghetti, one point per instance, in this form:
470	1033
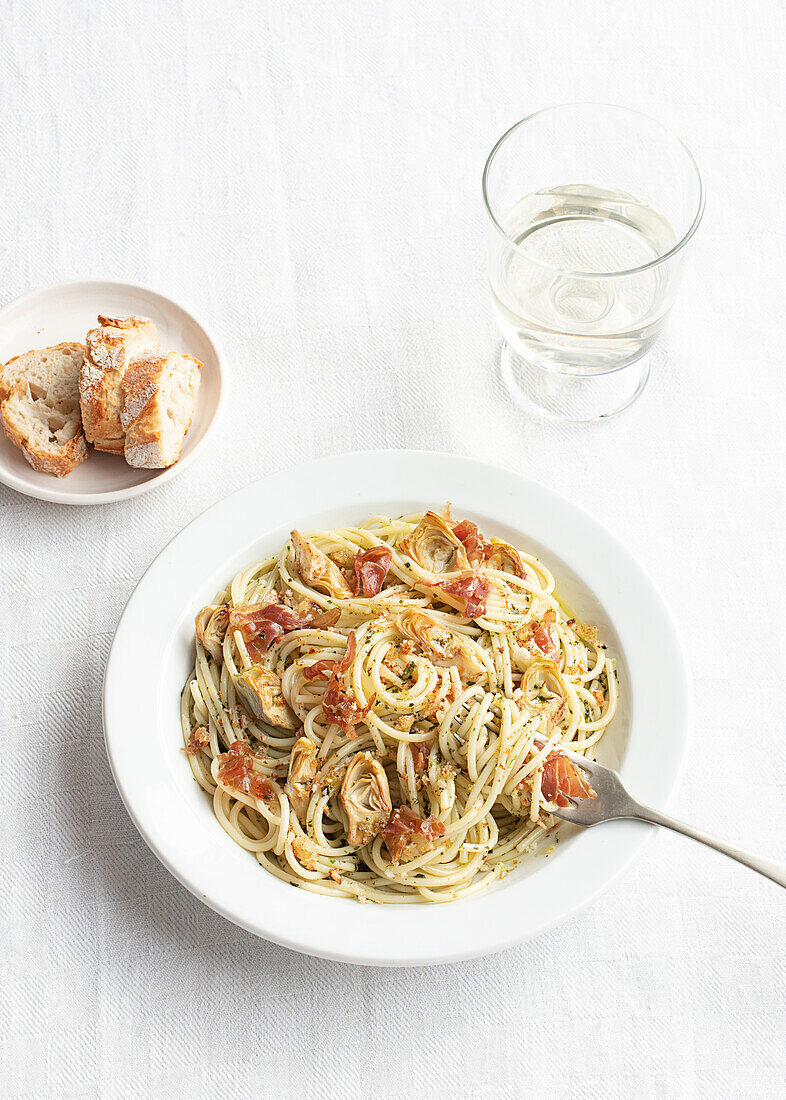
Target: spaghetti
377	712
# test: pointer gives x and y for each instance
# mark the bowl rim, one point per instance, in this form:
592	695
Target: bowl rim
59	493
380	935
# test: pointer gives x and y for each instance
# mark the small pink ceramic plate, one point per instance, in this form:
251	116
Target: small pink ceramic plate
65	311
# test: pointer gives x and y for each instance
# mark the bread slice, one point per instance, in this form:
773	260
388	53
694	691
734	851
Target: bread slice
160	394
39	407
54	368
109	350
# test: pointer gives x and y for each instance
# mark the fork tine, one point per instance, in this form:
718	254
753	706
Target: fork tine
567	813
590	766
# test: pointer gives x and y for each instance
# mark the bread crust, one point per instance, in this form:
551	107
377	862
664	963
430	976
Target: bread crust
109	350
39	405
153	441
60	464
129	395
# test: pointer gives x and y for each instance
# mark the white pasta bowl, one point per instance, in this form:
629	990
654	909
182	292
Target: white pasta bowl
152	655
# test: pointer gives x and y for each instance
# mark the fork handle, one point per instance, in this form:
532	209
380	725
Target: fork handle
770	868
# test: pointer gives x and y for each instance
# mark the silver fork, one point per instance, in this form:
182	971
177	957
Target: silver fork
613	802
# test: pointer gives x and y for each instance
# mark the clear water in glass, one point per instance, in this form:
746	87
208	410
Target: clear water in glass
565	301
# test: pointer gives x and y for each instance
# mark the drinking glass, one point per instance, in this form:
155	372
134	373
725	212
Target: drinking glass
590	208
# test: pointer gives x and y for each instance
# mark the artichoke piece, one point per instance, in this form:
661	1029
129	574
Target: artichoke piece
260	690
317	570
542	686
365	796
211	626
434	546
503	556
439	642
302	773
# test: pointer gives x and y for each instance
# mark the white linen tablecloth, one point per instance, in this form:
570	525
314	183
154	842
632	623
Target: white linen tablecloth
308	177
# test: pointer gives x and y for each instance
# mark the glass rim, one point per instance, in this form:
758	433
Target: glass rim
596	274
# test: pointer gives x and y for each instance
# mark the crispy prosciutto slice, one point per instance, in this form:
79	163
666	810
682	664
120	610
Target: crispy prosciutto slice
469	593
471	539
496	554
371	567
341	707
561	777
542	639
338	702
258	630
236	771
198	741
327	667
263	624
322	669
407	834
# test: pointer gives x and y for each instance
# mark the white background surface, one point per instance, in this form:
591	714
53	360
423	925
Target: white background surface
308	177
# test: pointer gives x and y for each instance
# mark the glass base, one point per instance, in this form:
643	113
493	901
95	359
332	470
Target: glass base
573	397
